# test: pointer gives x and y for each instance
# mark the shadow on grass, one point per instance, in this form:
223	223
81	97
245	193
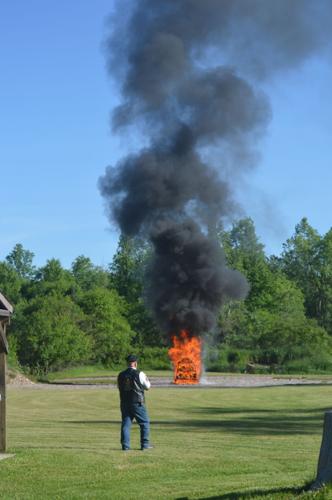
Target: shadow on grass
226	411
238	495
259	424
93	422
96	450
278	425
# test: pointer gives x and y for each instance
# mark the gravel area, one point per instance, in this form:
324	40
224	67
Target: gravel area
237	380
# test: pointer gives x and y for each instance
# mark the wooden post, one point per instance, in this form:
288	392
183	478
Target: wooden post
6	309
324	468
3	441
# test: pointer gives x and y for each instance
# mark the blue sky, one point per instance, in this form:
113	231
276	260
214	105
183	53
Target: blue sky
55	138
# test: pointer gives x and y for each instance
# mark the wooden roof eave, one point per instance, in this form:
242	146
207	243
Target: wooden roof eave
8	307
4	313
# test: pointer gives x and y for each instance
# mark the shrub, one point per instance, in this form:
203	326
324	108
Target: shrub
49	335
155	358
226	359
316	363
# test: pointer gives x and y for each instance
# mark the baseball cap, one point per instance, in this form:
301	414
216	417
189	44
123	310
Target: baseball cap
131	358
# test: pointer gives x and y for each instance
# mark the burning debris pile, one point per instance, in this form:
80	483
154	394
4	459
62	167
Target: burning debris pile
186	356
188	281
189	71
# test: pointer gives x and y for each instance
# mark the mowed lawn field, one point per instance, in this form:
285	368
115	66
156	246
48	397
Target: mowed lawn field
208	443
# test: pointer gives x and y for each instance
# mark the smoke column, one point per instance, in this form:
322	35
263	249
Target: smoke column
190	73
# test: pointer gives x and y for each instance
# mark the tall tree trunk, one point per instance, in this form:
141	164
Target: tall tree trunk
324	468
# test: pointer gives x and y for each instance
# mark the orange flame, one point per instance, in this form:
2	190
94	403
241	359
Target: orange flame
186	358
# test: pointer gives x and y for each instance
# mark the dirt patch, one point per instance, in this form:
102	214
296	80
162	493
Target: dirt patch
3	456
17	379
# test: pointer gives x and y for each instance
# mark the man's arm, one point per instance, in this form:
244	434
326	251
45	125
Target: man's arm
144	381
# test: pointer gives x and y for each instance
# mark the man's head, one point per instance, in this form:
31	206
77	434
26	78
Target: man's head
132	360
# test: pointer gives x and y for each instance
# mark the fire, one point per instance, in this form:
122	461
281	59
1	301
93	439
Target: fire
186	358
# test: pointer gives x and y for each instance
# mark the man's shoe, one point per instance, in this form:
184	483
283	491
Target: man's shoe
148	447
125	449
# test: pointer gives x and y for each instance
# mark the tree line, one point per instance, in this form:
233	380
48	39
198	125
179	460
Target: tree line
92	314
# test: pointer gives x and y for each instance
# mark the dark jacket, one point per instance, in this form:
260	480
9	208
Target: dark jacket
130	387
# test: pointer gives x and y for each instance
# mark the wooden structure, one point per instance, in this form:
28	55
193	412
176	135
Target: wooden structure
5	312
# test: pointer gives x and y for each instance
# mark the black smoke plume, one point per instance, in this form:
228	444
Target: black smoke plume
190	72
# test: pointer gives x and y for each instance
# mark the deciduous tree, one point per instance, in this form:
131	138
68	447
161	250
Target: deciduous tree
21	260
49	334
106	325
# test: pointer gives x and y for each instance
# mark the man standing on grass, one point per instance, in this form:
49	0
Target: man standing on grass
132	383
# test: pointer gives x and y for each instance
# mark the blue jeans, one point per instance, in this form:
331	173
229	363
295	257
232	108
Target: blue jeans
138	412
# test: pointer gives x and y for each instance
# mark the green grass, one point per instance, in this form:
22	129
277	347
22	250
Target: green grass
209	443
91	371
81	371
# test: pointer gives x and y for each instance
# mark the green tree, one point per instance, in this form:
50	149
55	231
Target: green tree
10	283
307	260
127	277
127	268
49	335
21	260
271	322
245	253
87	275
107	325
301	263
242	240
322	294
51	279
